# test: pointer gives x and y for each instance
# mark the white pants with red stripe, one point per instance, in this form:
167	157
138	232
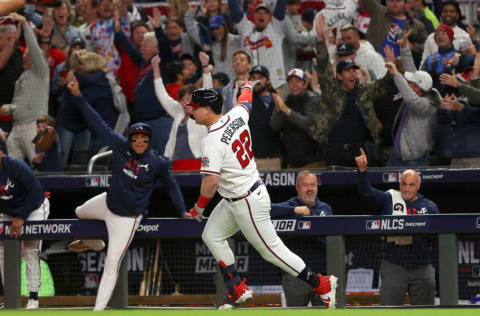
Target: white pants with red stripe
31	248
250	215
121	230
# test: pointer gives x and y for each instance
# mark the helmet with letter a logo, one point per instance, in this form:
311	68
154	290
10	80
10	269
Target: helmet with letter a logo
207	97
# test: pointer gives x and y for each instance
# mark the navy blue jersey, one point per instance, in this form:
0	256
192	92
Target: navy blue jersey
133	176
20	191
286	209
413	255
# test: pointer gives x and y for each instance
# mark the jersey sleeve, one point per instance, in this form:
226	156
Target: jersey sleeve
212	156
244	103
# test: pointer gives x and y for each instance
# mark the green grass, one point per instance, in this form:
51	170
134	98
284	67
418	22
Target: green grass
256	312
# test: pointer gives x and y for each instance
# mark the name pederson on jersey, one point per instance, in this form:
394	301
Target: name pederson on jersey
228	151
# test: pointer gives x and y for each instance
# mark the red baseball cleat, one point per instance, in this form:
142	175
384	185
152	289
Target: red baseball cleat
327	289
241	294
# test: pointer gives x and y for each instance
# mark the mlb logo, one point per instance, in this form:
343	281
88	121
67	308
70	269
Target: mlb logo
304	225
205	162
93	182
372	225
1	228
390	177
319	179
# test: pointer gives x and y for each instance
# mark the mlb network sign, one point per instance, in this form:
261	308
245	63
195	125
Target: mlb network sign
39	229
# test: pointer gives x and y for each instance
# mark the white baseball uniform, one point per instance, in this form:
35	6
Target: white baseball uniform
265	47
31	248
227	153
337	14
121	230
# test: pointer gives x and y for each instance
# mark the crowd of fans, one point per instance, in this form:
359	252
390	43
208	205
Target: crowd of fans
398	78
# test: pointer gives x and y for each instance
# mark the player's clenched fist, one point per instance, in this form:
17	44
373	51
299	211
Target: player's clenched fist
196	213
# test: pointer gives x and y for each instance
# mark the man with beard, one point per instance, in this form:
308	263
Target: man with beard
388	24
266	142
306	203
451	16
293	117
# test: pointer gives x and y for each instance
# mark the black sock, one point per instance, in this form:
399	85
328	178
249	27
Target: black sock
230	275
310	277
34	295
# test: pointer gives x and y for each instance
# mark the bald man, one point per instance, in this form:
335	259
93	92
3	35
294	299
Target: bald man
406	260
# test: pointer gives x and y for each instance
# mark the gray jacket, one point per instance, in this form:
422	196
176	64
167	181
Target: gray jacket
417	134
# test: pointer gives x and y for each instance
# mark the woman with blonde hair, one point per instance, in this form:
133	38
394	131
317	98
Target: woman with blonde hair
177	9
91	73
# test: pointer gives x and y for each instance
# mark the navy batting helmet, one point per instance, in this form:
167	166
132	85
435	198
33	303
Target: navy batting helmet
207	97
139	128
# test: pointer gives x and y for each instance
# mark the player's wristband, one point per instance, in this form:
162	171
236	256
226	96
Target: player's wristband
203	201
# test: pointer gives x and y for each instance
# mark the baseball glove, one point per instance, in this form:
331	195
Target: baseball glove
44	140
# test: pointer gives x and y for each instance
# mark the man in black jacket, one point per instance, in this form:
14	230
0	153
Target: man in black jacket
266	142
293	118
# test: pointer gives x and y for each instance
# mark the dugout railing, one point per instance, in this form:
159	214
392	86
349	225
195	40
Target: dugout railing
336	228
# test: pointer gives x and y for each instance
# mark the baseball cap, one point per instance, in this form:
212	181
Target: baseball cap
447	29
259	69
346	64
421	78
216	21
345	49
263	6
77	41
299	73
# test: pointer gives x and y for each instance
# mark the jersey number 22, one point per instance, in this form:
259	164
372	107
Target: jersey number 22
243	148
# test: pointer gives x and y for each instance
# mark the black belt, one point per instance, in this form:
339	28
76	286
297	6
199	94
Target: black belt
252	189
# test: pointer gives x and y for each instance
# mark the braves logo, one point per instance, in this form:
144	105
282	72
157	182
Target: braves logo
264	41
135	166
5	190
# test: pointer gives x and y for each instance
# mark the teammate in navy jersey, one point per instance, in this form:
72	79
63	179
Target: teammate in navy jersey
135	167
22	198
406	260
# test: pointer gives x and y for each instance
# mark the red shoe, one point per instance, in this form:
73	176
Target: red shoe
326	289
242	293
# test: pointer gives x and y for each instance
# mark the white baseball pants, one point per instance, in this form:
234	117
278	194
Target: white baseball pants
121	230
31	248
251	216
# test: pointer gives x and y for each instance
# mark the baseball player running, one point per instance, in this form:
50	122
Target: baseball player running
229	167
135	166
22	198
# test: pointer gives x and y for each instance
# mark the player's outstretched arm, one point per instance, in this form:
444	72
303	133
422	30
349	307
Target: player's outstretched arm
364	188
208	189
246	95
9	6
